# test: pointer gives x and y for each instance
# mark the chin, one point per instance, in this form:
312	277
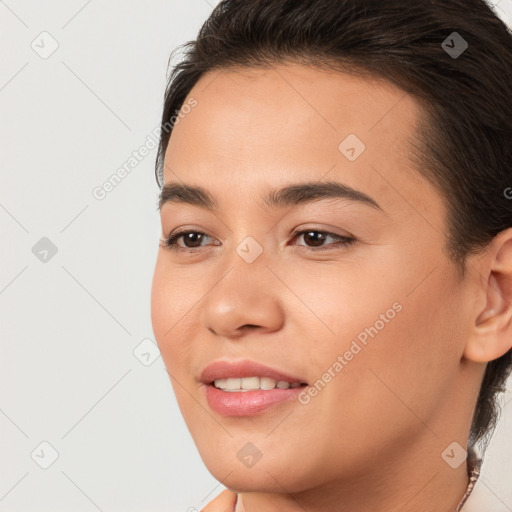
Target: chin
271	475
248	481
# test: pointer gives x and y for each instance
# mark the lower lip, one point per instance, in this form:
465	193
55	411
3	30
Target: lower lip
247	403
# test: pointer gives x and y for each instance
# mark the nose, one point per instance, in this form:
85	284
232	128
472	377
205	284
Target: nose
246	298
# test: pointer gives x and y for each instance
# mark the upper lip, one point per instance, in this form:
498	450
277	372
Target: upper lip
223	369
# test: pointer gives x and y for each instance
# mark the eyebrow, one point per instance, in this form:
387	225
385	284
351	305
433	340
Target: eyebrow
291	195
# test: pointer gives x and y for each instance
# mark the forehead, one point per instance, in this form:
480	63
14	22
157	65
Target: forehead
319	104
258	127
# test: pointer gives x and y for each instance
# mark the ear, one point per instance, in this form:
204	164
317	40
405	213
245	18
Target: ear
491	334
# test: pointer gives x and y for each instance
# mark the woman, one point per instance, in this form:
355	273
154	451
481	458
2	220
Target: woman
332	295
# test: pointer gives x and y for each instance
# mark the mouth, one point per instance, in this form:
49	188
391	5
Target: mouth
244	384
247	388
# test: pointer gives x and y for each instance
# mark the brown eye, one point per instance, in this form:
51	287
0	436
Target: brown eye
315	239
192	240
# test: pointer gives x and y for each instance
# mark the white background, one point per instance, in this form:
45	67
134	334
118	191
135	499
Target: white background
69	376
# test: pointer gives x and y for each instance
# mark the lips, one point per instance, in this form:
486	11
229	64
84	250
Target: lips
246	368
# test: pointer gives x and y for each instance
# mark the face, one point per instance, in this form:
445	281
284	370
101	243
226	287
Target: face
347	306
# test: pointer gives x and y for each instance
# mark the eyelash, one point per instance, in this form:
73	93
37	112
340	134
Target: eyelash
342	241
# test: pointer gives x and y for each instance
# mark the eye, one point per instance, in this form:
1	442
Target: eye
193	239
189	237
317	238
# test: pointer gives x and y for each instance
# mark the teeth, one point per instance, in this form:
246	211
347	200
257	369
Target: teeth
267	383
251	383
233	383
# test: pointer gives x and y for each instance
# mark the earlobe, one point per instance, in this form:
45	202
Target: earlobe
491	334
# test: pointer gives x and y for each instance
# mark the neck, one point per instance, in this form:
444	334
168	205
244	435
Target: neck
418	480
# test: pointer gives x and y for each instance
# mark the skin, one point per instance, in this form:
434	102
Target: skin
372	439
224	502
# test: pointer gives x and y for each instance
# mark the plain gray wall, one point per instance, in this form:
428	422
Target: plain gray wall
72	321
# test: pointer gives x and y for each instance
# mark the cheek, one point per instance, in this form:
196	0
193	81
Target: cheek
334	303
161	301
397	333
171	307
404	371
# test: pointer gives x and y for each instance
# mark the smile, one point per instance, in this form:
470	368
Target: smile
234	384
